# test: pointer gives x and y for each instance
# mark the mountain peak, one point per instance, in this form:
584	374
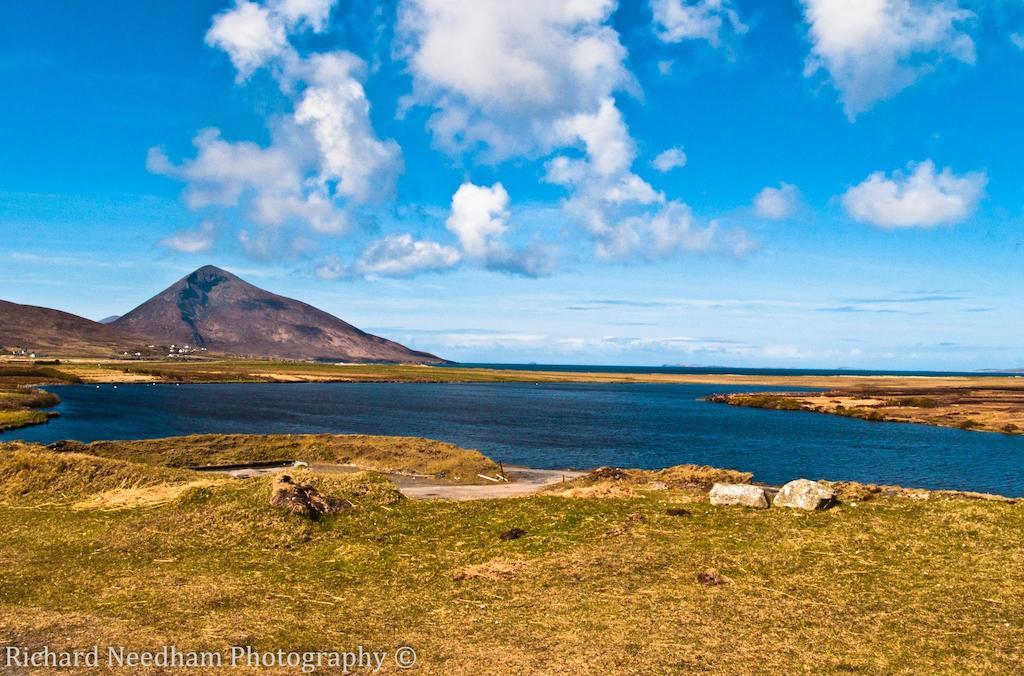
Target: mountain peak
210	272
217	310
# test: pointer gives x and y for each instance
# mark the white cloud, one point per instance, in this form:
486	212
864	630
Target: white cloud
253	34
312	14
335	107
678	20
777	203
1017	39
191	241
222	172
501	74
322	160
670	159
529	78
920	199
872	49
628	218
668	232
398	255
480	219
250	35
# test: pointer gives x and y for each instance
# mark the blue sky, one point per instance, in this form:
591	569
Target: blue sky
800	183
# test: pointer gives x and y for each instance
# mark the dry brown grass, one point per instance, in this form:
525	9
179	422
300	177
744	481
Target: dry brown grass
412	455
609	482
30	475
893	585
496	570
982	408
136	497
18	399
239	370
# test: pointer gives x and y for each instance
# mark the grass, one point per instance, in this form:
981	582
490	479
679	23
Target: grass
594	586
18	398
916	402
411	455
778	402
990	408
12	420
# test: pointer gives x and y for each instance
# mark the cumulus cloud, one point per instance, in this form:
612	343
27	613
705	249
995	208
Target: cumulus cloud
250	35
296	14
678	20
501	74
921	199
528	79
479	218
323	159
626	216
873	49
777	203
398	255
670	159
191	241
335	109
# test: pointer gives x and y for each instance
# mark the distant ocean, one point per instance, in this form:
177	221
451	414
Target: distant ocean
719	370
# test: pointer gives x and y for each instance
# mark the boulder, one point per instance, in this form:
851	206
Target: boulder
805	494
743	495
304	499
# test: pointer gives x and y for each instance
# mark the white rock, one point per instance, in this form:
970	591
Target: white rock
743	495
805	494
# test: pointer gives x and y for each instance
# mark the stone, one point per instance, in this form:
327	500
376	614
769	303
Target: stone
512	534
743	495
712	578
304	499
805	494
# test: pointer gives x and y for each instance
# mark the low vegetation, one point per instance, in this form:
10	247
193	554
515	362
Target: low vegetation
411	455
19	401
989	408
609	481
658	581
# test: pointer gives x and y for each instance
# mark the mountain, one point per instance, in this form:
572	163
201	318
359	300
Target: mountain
110	320
213	309
52	332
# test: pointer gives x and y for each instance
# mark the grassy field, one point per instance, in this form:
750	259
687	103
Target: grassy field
411	455
242	370
595	585
20	402
981	408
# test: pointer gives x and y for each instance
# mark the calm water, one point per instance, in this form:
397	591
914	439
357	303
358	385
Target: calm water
559	426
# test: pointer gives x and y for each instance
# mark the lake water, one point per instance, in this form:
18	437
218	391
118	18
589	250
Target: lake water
558	426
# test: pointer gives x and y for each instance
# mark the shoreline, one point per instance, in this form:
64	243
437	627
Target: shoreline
241	464
975	409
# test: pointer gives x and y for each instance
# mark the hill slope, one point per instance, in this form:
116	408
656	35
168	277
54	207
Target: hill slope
49	331
215	309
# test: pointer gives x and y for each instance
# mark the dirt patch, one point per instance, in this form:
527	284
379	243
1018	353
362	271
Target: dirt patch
495	570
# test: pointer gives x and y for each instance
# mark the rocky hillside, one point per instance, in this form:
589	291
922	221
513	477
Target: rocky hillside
214	309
